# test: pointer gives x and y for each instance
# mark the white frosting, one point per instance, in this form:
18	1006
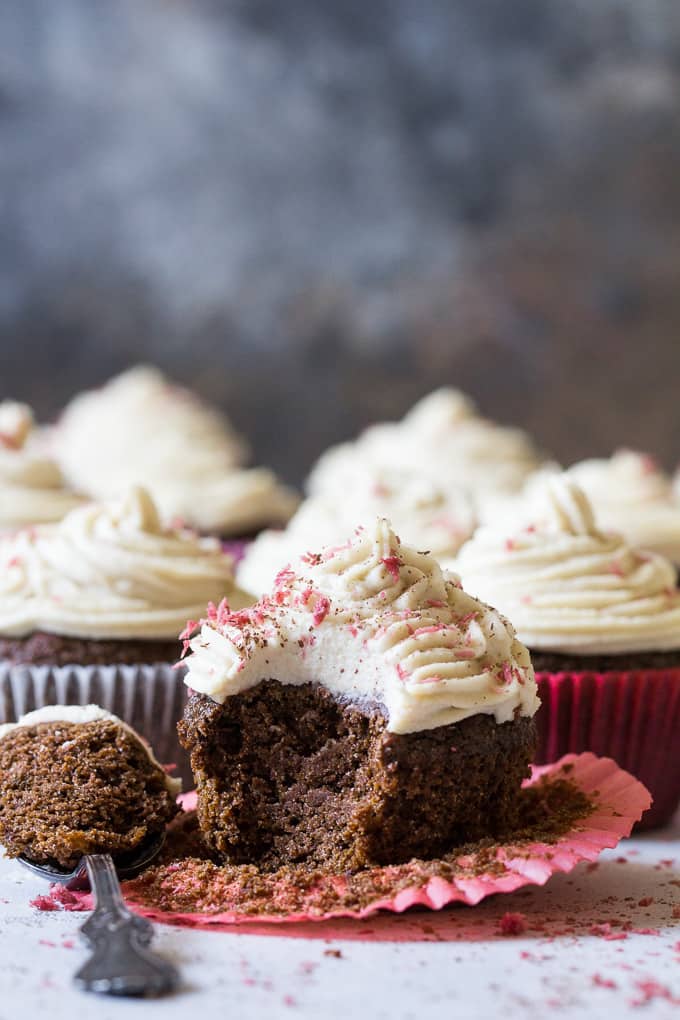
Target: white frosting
82	715
630	493
423	513
569	587
110	571
442	438
32	490
141	430
371	619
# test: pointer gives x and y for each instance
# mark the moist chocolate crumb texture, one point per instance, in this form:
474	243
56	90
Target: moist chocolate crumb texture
576	594
106	585
77	780
367	711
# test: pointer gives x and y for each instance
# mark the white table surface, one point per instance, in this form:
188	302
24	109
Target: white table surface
449	964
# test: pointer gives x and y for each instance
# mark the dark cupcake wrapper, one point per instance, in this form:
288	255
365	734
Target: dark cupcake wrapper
150	698
632	716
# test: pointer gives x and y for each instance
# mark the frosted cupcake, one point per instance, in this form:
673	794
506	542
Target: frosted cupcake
367	710
442	438
141	430
90	610
32	489
425	514
602	622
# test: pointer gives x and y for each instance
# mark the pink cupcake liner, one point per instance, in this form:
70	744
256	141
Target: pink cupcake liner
148	698
618	801
632	717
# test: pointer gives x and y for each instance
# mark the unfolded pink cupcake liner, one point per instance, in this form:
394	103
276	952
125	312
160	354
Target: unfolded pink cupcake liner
150	698
617	801
630	716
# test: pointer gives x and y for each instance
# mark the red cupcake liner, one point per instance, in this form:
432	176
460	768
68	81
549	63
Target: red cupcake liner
617	801
630	716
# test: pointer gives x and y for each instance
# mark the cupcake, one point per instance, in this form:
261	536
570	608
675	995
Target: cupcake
76	780
425	513
32	489
141	430
366	711
602	622
442	438
90	610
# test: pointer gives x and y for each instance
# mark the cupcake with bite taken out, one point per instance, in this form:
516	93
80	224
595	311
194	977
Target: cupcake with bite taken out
602	622
90	610
365	711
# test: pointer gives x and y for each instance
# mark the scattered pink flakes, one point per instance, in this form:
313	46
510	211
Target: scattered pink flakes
604	931
512	924
392	565
650	990
645	931
321	610
44	903
288	1000
601	982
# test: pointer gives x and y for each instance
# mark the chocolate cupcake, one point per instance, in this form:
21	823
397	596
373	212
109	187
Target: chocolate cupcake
90	610
76	780
602	622
140	429
366	711
32	489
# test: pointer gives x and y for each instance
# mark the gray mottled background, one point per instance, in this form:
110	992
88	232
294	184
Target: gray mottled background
315	210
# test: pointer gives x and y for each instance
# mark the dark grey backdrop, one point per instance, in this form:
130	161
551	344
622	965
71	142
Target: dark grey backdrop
314	210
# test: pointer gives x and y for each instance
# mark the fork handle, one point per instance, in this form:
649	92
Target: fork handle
120	963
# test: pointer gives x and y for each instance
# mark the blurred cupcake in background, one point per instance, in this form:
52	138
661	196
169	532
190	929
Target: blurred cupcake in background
602	622
442	438
426	515
91	609
139	429
32	488
631	493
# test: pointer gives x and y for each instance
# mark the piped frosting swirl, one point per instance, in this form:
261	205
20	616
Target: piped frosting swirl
441	437
32	489
569	586
140	429
630	493
425	514
370	619
110	571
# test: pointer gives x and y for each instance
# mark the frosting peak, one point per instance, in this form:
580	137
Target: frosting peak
139	429
110	571
32	490
631	493
371	619
441	437
570	587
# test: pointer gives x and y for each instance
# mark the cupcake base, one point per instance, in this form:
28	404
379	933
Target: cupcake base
629	714
289	773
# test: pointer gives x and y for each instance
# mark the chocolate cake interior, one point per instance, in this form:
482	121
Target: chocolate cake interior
288	774
67	789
